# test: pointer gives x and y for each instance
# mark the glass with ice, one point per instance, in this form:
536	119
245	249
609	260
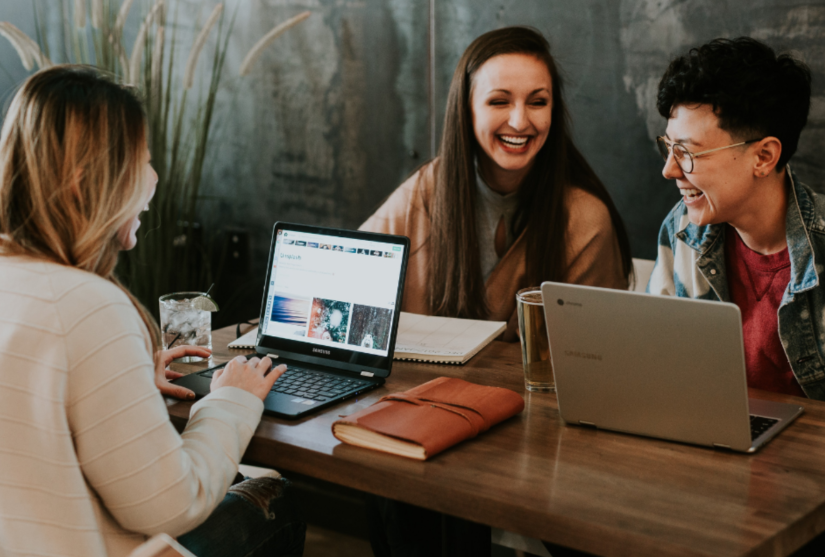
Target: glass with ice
186	319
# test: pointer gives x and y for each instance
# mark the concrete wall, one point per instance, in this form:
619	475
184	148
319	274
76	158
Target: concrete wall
341	108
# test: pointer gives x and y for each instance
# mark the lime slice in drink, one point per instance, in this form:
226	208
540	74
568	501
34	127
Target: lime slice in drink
204	303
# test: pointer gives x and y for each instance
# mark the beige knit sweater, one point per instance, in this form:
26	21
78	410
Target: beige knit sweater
89	462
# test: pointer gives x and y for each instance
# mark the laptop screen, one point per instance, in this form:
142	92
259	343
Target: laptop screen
333	293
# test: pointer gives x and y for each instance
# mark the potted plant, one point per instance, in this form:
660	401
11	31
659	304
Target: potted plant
172	254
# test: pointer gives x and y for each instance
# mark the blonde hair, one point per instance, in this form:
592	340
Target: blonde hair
71	172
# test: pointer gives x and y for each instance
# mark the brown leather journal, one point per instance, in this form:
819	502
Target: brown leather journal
422	422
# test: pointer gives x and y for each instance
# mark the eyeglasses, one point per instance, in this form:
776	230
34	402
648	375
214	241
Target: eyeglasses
683	157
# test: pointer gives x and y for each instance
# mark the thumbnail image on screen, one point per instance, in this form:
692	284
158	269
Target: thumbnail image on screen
370	327
290	313
330	320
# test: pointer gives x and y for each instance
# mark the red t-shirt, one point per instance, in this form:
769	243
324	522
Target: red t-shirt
757	283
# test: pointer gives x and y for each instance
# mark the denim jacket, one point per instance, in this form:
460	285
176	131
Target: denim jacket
691	264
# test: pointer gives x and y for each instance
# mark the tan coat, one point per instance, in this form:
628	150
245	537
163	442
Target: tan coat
592	250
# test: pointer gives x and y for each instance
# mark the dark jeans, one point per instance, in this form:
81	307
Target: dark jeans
402	530
256	518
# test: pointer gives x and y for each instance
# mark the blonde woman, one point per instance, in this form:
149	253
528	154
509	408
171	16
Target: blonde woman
89	463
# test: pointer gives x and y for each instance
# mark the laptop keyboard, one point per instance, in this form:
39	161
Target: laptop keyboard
760	425
315	385
310	384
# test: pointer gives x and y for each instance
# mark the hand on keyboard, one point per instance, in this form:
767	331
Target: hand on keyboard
253	375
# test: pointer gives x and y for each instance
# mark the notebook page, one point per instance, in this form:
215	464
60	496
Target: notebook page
442	336
248	340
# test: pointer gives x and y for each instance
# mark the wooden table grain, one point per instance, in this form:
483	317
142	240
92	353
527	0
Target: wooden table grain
604	493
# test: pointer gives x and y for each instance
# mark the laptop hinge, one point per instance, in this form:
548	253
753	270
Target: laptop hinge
721	446
367	374
588	424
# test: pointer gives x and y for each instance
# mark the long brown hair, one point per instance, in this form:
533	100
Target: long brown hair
71	172
455	282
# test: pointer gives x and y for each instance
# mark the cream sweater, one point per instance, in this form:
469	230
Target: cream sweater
89	462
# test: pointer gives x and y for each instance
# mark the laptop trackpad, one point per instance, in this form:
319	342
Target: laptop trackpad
195	382
288	405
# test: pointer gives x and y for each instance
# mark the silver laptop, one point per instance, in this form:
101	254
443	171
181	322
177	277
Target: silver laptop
659	366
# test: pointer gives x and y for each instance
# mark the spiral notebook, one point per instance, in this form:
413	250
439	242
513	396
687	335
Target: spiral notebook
425	338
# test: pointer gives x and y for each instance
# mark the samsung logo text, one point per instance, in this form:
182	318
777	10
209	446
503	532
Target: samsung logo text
583	355
322	351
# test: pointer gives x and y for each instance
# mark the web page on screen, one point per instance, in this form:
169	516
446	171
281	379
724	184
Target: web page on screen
333	291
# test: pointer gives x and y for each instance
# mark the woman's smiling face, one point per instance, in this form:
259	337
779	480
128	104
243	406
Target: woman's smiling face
512	102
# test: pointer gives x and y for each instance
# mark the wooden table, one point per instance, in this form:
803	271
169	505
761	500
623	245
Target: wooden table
600	492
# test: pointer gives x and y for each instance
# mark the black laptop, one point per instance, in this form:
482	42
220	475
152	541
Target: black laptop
330	313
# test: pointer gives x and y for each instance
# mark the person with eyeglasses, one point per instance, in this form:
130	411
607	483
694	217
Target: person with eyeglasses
746	230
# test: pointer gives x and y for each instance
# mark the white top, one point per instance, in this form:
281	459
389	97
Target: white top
491	206
90	464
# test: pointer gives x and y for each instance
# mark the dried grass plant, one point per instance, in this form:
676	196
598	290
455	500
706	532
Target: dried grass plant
170	255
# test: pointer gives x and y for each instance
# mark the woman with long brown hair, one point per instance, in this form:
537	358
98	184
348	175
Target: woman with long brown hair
510	201
89	462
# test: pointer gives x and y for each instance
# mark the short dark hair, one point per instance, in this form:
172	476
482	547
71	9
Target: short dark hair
753	91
